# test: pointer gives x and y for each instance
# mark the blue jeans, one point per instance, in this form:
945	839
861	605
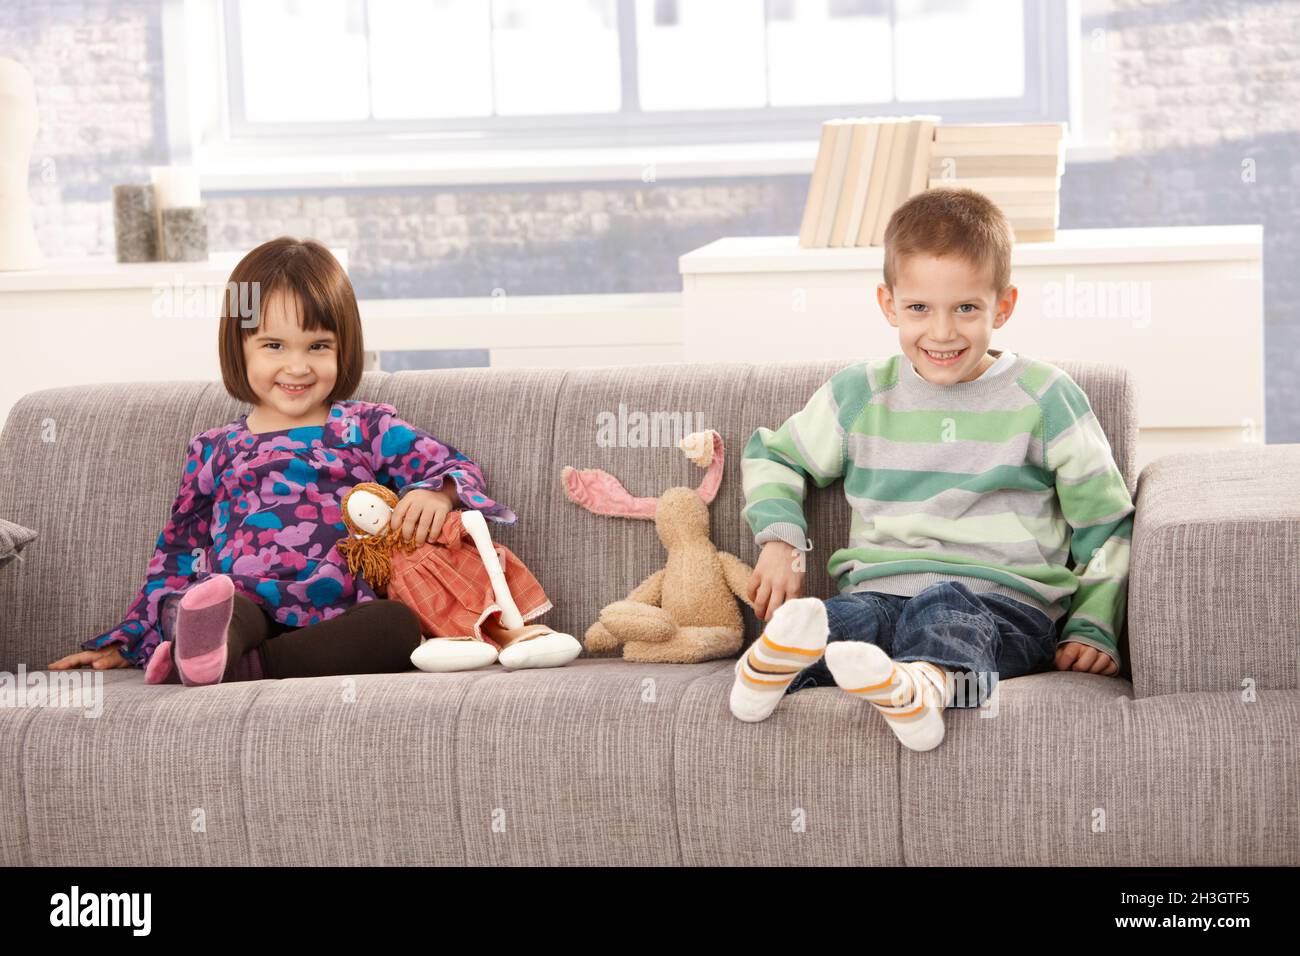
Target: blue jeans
981	635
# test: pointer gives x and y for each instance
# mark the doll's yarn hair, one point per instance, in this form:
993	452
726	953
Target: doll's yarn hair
371	554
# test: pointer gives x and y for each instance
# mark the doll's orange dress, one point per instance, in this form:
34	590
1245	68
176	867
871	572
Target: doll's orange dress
445	582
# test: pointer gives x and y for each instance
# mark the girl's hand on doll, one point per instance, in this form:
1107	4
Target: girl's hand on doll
100	660
1074	656
420	513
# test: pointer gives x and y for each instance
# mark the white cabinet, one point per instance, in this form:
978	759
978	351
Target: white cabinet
82	321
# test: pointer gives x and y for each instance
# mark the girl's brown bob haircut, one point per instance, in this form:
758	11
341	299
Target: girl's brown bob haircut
305	269
951	221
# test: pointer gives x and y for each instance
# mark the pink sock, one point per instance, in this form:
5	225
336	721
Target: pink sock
202	628
159	670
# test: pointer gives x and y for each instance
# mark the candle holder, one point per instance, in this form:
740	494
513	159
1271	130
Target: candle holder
134	224
185	234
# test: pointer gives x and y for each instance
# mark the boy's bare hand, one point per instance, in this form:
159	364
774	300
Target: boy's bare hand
776	578
100	660
1073	656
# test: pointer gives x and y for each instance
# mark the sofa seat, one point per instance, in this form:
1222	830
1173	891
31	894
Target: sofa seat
604	761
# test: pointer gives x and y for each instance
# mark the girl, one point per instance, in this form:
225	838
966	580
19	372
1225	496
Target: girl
246	581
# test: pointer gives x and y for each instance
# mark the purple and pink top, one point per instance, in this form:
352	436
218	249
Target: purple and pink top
266	509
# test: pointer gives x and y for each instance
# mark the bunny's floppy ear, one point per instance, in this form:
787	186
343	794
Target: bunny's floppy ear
600	493
705	449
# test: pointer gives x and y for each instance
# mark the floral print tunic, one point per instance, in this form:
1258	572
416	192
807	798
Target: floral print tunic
266	509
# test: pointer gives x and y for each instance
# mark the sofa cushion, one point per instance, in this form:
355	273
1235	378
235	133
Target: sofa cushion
1071	770
607	762
1215	571
547	766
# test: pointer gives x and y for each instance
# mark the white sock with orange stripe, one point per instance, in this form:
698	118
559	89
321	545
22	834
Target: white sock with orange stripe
910	694
793	639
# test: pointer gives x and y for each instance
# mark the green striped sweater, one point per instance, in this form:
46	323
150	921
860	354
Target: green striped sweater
994	482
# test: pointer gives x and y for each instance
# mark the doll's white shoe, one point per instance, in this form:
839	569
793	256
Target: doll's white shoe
443	654
547	649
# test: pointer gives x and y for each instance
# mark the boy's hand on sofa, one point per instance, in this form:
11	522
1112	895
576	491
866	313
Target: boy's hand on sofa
775	578
1074	656
100	660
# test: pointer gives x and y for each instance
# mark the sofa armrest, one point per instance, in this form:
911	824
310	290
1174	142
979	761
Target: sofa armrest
1214	585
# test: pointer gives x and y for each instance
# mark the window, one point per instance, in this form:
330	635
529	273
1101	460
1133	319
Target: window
478	73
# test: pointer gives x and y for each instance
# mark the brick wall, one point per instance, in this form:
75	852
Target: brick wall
1196	89
99	95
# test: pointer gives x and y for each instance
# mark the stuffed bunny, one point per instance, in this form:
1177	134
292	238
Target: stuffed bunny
449	595
686	612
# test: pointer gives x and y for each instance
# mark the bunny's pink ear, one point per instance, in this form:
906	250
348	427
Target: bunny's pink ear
600	493
705	449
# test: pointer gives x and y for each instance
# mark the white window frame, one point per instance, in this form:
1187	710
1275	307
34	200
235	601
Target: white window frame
206	130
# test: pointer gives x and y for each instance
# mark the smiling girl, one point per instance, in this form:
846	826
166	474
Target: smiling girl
246	580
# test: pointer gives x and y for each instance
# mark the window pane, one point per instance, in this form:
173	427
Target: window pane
560	56
304	60
700	54
829	51
431	58
960	49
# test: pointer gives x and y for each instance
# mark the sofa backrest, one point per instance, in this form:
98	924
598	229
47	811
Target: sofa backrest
94	470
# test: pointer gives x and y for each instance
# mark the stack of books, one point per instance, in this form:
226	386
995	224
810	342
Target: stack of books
868	167
1017	165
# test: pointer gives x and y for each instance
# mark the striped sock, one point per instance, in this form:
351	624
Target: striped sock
910	694
202	628
161	670
793	639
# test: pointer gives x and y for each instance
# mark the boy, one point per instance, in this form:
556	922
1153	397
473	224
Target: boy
972	475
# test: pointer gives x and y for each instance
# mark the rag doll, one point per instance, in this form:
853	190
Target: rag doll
461	587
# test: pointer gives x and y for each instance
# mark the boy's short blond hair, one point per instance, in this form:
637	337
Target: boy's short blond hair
951	221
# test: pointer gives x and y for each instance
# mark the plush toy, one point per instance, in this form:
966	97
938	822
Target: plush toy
465	603
686	612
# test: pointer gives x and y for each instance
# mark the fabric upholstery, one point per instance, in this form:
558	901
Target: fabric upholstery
605	761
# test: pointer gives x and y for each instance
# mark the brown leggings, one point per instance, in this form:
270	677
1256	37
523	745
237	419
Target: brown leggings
374	637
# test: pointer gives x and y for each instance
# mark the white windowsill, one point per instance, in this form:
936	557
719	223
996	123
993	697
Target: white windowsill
640	164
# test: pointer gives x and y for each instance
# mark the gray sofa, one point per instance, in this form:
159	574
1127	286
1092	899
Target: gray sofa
1189	756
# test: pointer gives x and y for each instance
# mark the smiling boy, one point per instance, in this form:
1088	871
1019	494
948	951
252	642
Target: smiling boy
973	475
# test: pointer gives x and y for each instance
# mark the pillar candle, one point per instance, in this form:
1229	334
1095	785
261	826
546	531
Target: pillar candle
134	223
185	234
177	186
